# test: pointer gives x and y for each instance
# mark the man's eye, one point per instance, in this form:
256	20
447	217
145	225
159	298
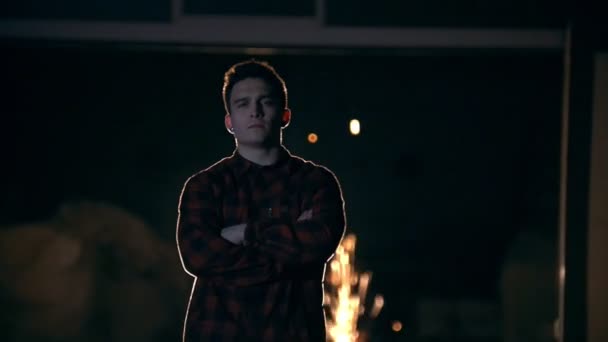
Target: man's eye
241	105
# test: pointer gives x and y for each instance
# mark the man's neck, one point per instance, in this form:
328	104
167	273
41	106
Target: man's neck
260	155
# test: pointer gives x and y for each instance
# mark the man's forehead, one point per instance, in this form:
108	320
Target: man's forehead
251	86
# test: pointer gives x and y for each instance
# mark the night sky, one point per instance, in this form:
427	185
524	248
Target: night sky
458	150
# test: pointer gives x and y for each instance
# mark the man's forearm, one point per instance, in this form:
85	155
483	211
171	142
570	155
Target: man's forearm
301	242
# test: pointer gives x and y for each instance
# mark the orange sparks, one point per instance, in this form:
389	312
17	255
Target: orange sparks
346	293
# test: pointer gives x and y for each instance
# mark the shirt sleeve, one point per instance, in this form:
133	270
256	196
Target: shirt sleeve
310	241
202	250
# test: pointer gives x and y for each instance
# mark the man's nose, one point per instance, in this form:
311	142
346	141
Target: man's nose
257	111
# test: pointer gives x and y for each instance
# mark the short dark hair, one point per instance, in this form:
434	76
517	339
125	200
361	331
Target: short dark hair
253	69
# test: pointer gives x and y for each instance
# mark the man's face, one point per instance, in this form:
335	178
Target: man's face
255	113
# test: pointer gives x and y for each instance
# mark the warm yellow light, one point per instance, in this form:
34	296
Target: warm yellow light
312	138
378	304
355	127
345	294
396	326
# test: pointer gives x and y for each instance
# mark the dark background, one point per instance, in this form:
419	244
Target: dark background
458	155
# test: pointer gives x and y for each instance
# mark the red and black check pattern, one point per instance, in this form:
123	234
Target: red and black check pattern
270	288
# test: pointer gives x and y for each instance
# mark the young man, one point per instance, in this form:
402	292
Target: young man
256	228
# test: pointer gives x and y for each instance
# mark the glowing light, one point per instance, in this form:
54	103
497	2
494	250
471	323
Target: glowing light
396	326
355	127
345	294
378	304
312	138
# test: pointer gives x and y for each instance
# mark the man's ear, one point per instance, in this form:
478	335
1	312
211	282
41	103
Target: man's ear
286	118
228	124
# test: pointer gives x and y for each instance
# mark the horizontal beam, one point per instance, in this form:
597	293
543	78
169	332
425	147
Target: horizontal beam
278	32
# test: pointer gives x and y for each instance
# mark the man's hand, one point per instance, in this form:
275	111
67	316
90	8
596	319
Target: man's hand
234	234
306	215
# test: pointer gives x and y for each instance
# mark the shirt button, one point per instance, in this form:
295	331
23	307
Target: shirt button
269	212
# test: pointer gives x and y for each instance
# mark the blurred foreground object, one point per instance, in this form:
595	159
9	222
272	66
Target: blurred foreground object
529	288
92	273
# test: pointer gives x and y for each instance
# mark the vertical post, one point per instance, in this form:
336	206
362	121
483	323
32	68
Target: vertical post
574	193
177	7
320	12
597	278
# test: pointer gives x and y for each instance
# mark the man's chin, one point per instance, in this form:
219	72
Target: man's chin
254	143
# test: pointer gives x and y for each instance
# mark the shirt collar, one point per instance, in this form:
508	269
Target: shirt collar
241	165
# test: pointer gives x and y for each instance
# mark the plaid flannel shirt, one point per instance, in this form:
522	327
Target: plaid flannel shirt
270	288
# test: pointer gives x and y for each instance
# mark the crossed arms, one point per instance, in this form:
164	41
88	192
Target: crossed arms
255	252
236	233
